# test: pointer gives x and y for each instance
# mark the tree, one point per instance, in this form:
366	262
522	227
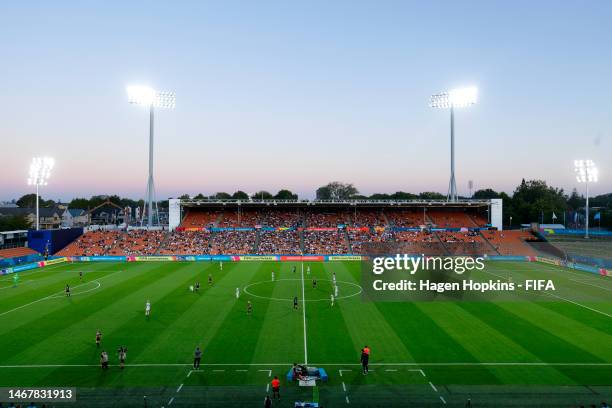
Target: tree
13	223
222	196
285	195
184	197
240	195
431	195
82	203
402	195
576	201
200	196
535	198
336	190
485	194
262	195
29	201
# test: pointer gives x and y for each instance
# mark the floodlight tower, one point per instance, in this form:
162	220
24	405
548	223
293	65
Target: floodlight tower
457	98
40	171
586	172
145	96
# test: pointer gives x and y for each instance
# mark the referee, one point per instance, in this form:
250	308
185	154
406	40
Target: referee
197	357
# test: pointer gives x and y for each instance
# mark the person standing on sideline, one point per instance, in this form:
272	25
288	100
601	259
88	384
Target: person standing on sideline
276	387
197	357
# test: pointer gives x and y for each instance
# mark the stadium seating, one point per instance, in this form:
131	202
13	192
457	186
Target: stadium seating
16	252
451	219
510	242
279	242
405	218
233	242
186	243
200	219
325	242
98	243
328	219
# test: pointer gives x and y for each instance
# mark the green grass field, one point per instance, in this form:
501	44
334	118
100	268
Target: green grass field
553	353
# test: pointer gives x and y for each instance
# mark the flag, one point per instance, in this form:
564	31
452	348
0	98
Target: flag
597	216
554	217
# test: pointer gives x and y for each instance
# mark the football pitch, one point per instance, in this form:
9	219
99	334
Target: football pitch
524	353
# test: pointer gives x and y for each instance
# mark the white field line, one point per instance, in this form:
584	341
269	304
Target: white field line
343	386
267	371
590	284
19	284
267	387
433	387
218	371
347	400
443	400
179	388
53	295
559	297
450	364
304	314
171	400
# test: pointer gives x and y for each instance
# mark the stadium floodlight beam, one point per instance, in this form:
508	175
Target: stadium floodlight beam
145	96
457	98
586	172
40	171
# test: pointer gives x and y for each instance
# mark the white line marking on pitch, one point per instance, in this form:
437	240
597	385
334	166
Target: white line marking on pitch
343	386
433	386
340	371
304	314
171	400
267	387
268	371
347	400
179	388
390	370
189	373
443	400
590	284
219	371
55	294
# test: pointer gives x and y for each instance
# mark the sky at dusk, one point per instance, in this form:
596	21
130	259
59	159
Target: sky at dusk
284	94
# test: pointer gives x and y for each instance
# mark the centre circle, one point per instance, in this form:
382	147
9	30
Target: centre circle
289	288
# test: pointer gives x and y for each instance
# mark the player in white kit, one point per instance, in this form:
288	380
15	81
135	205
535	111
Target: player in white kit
148	309
237	293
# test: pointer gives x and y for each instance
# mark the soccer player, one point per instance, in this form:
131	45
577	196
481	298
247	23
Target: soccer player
98	338
314	283
15	280
237	293
332	300
122	356
249	308
308	270
276	387
272	276
210	279
365	360
293	268
81	276
336	290
147	309
104	360
67	290
267	402
334	278
197	357
295	303
197	286
220	265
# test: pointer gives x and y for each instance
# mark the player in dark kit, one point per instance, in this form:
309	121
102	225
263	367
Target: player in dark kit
197	357
67	290
314	283
365	359
81	276
197	286
249	308
293	268
98	338
210	280
295	303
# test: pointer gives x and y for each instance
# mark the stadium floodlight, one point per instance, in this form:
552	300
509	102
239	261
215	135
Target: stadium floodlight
457	98
586	172
146	96
40	171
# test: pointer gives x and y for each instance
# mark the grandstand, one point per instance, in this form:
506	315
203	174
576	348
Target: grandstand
319	227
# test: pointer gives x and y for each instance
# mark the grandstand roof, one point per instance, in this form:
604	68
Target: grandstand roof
215	203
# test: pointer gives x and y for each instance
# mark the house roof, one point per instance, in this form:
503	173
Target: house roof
76	212
43	211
